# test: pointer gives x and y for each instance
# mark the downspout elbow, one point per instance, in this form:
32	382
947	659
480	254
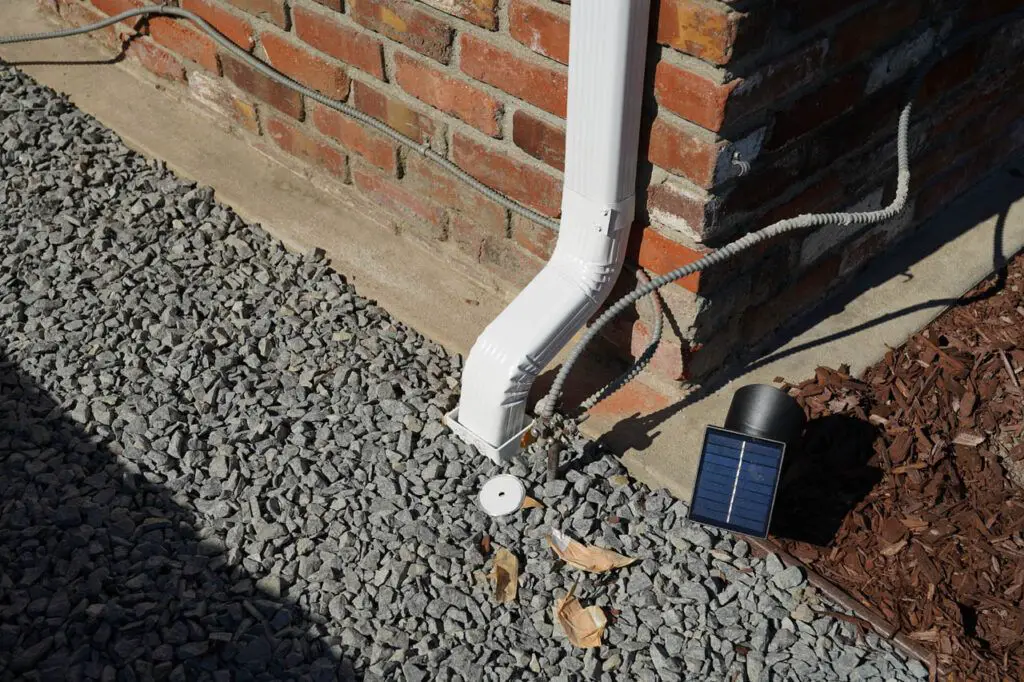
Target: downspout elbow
512	351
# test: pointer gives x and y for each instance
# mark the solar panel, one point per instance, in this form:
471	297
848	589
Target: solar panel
736	481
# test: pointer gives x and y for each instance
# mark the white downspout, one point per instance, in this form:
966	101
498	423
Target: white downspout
607	53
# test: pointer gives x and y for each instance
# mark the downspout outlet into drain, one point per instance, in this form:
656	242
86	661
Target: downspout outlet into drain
608	45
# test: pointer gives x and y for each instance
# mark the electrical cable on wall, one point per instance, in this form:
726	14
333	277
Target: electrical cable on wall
547	405
278	77
658	314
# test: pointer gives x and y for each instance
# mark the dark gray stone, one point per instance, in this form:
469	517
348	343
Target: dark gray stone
789	578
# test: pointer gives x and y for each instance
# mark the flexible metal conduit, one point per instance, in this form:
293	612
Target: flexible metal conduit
803	222
658	313
546	407
278	77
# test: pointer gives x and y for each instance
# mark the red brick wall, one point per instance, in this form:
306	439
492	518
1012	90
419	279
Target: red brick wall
804	93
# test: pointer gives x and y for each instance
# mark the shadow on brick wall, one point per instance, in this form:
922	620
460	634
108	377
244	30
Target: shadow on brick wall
104	576
825	83
992	198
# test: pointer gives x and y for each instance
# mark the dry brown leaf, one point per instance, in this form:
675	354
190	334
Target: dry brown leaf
586	557
485	544
505	575
583	626
530	503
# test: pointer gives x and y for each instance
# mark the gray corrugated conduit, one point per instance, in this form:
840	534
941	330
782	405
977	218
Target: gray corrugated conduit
278	77
658	314
803	222
546	407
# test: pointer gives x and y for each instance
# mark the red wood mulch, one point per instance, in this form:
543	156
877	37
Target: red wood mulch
927	448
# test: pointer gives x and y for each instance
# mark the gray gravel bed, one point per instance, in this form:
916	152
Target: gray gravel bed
218	462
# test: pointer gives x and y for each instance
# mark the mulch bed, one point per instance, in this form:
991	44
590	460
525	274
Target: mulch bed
909	490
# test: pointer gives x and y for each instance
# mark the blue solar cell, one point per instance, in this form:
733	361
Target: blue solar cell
736	481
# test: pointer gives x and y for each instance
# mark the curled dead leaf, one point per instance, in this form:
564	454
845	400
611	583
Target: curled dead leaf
530	503
584	627
586	557
505	576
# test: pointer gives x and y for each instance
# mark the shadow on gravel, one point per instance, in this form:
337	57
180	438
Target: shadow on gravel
825	478
103	575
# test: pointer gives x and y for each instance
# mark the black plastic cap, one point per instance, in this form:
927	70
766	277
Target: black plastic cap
766	412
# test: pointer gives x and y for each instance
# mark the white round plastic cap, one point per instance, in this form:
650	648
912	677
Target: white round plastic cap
502	495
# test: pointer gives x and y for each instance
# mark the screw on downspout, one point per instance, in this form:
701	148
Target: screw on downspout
742	167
